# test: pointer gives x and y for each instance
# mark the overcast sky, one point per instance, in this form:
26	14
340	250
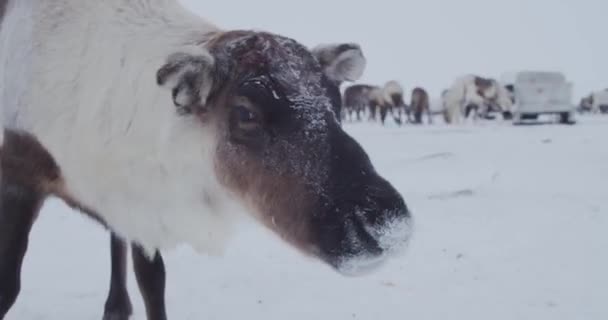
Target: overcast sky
430	42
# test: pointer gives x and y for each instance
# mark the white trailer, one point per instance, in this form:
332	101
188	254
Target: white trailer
542	92
600	101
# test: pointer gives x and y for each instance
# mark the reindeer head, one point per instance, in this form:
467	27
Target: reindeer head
279	148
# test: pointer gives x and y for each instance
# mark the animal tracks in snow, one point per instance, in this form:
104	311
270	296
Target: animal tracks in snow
432	156
463	193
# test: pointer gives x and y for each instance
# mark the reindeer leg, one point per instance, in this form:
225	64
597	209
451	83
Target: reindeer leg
25	166
150	274
118	305
19	207
383	112
409	114
397	115
418	115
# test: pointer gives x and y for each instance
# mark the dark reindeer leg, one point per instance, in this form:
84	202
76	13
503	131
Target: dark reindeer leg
19	207
118	305
150	276
26	172
408	113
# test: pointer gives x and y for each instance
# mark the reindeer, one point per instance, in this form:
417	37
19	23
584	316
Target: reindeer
384	100
393	100
420	104
377	105
160	126
356	100
327	54
476	95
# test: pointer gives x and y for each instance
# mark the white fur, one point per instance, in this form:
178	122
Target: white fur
390	88
15	69
347	66
503	98
463	92
377	95
92	100
454	99
351	66
393	237
204	57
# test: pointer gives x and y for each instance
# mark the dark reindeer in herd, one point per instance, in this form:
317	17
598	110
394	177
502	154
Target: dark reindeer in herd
159	126
378	100
420	105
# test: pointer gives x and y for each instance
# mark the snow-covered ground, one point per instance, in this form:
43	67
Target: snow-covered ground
511	223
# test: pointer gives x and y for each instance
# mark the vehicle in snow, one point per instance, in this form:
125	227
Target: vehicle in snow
600	101
542	92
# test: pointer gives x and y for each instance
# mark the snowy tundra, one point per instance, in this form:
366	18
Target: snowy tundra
164	128
512	226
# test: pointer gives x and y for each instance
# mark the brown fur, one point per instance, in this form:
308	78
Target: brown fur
266	193
483	84
275	192
356	99
3	5
420	104
26	163
377	104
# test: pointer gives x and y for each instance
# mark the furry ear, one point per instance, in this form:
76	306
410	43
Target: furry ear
341	62
189	75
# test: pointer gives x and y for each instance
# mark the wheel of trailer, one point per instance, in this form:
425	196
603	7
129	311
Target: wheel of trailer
566	118
529	116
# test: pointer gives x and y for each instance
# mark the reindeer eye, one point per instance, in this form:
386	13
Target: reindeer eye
245	125
244	115
245	119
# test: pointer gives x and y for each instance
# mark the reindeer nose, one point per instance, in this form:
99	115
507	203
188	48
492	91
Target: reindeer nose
394	235
367	221
390	238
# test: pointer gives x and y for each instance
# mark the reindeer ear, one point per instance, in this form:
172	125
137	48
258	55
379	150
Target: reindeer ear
188	74
341	62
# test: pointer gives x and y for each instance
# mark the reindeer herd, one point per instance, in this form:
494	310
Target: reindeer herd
470	97
376	103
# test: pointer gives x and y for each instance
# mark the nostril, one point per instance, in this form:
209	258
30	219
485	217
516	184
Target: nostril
397	232
394	232
380	210
359	239
365	246
389	239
